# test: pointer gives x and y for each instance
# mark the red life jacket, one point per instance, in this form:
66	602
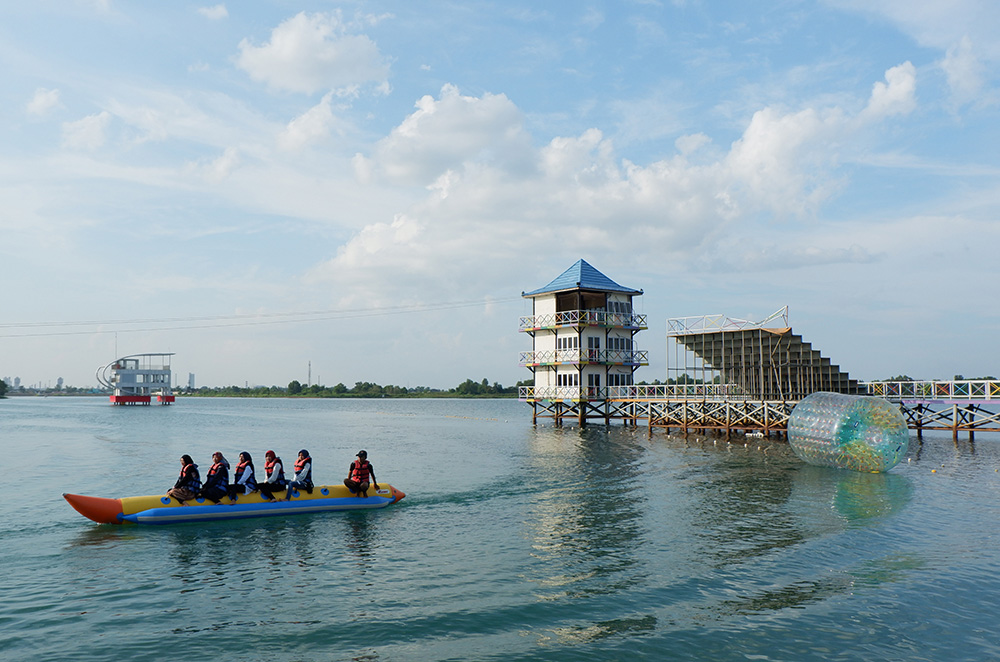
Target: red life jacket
269	468
299	465
360	471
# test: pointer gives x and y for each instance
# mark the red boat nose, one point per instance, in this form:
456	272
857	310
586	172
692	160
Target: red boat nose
105	511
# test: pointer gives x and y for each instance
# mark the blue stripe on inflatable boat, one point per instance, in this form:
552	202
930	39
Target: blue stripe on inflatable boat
238	511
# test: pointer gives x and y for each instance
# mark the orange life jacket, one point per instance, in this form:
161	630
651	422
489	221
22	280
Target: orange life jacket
360	471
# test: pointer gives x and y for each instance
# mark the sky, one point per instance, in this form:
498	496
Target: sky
361	191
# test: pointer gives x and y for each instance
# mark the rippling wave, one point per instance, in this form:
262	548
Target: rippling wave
514	543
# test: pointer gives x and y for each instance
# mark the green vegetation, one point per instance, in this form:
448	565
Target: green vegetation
3	388
467	389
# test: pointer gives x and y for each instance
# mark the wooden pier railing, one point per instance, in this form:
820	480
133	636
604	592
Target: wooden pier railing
966	406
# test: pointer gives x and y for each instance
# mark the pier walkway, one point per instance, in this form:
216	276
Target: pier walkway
726	374
958	406
965	405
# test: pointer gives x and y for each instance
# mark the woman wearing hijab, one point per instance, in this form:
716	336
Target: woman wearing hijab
217	480
244	481
275	476
188	483
303	475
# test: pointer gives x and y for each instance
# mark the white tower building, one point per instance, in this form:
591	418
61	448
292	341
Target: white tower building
583	352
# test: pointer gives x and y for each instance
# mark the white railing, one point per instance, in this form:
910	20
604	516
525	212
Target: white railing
963	389
562	392
575	356
636	392
969	389
680	326
583	318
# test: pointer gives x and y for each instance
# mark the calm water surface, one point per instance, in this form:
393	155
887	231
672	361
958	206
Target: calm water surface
514	542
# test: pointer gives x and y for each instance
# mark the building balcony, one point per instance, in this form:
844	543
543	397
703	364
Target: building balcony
584	357
582	318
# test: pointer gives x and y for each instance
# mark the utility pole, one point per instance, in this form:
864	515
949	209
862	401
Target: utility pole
310	378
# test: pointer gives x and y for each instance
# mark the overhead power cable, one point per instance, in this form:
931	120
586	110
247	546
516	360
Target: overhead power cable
225	321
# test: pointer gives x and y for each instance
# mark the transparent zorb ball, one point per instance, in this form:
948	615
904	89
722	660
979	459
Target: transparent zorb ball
856	432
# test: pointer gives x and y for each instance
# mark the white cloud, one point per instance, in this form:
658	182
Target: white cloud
43	101
446	132
690	144
308	128
964	71
214	13
313	52
896	95
937	24
495	199
223	166
87	133
779	161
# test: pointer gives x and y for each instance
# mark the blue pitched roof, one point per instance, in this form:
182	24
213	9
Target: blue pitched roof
581	276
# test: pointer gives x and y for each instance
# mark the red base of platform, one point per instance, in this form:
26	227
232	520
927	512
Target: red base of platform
130	399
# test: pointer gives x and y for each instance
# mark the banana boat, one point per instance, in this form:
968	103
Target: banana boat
160	509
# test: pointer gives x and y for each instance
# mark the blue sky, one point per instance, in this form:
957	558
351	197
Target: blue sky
370	186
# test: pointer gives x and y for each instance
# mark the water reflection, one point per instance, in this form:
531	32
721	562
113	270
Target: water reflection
604	629
832	498
740	503
360	540
585	517
102	535
820	504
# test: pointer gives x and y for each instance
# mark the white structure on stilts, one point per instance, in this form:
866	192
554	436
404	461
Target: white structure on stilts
583	330
136	378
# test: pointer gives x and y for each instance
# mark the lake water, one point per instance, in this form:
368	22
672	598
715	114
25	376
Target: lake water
513	543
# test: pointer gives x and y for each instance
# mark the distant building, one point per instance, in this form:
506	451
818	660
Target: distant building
191	380
134	379
59	383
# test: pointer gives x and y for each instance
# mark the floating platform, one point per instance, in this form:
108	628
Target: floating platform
137	378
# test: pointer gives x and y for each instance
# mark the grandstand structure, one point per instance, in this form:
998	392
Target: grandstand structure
738	358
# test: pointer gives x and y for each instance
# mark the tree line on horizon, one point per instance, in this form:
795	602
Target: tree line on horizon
468	388
295	388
